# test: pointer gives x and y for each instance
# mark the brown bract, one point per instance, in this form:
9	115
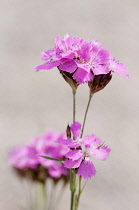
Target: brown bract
68	78
99	82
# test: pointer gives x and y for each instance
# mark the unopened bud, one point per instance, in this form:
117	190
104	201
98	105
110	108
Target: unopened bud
68	132
68	78
99	82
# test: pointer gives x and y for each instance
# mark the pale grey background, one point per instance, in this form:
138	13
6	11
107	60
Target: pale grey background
31	103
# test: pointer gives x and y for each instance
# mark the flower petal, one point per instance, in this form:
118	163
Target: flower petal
76	129
48	55
84	66
74	154
69	143
118	67
82	76
91	141
48	65
103	56
72	163
69	66
102	153
22	157
56	170
68	55
86	169
100	69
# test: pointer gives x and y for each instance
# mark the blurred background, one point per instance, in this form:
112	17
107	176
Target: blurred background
32	103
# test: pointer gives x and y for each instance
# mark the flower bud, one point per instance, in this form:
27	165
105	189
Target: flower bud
68	78
68	132
99	82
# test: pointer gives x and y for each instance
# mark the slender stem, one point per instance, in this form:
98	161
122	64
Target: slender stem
72	187
79	194
74	105
72	174
80	182
90	97
72	201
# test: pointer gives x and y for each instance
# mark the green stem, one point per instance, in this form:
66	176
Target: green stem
74	105
72	174
90	97
80	182
72	188
79	194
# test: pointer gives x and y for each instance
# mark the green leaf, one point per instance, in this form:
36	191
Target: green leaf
50	158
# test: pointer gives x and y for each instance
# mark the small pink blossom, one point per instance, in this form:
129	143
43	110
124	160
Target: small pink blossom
24	157
81	150
46	145
81	59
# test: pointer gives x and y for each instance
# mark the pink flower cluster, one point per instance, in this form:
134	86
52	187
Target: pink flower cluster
80	151
25	157
81	59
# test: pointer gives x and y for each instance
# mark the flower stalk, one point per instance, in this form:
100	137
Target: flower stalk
72	173
74	104
72	188
90	97
79	194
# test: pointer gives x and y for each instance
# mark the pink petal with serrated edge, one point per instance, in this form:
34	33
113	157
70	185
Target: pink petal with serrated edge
48	55
91	141
48	65
102	153
98	69
86	169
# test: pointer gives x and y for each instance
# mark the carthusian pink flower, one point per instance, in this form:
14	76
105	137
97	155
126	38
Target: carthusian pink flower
80	61
46	145
24	157
81	150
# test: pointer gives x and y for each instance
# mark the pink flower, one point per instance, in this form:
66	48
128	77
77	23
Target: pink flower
81	59
81	150
46	145
24	157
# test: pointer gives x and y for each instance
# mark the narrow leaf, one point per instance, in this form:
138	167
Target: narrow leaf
50	158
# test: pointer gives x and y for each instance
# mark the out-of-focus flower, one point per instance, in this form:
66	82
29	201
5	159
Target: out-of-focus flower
46	145
24	157
79	61
25	161
81	150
